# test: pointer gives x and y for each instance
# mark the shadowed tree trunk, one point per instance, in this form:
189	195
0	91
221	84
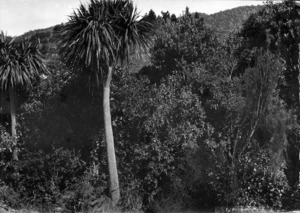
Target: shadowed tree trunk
12	96
292	100
109	138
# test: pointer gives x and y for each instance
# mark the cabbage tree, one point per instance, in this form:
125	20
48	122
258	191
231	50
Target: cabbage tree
98	37
20	65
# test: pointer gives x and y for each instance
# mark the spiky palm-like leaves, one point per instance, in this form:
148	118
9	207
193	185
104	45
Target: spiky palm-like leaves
102	33
96	38
20	64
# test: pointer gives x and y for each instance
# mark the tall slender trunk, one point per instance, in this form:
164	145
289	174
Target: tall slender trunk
109	138
12	96
290	94
298	108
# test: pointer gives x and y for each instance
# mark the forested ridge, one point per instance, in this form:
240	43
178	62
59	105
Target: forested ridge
204	111
226	21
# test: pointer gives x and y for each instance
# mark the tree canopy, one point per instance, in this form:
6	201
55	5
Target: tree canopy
20	63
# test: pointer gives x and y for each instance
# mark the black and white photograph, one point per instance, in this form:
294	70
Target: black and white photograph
149	106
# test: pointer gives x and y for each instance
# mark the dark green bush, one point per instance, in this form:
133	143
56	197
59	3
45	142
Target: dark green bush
263	190
258	184
40	178
87	193
291	198
8	196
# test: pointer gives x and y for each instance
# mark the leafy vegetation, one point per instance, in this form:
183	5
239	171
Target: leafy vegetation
204	122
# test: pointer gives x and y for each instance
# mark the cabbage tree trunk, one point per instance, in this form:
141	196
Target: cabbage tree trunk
12	102
109	138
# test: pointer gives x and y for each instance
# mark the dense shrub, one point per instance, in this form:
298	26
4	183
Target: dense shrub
291	198
260	184
87	193
8	196
40	178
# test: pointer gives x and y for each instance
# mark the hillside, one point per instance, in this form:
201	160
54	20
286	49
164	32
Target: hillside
226	21
222	23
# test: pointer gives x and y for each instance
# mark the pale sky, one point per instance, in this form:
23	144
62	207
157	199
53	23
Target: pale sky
20	16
